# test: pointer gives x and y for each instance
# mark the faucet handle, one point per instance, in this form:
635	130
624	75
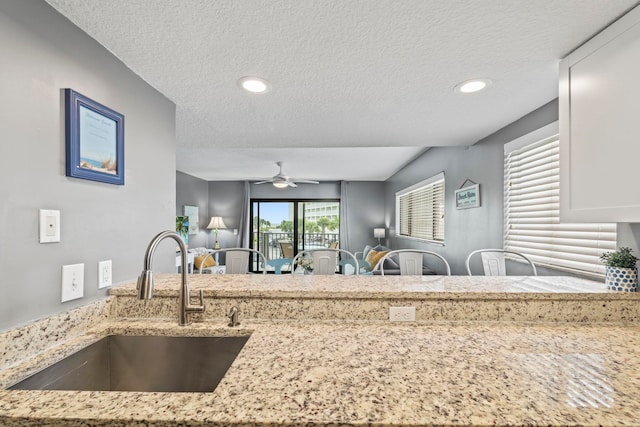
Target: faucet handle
233	316
197	308
201	298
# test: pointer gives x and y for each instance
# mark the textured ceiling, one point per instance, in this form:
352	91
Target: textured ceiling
360	87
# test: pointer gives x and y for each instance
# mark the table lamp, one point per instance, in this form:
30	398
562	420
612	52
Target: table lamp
378	233
215	224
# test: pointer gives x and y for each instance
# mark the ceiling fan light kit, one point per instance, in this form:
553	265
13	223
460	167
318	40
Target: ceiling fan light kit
283	181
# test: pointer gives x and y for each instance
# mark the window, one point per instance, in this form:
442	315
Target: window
532	209
420	210
281	226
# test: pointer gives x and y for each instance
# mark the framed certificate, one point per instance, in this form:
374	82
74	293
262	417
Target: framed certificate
94	140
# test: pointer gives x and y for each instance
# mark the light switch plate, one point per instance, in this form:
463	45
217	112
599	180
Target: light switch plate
49	226
104	274
72	282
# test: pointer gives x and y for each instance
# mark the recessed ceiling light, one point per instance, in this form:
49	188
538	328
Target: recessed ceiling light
471	86
254	84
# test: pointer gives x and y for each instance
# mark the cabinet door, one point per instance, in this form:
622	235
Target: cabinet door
600	126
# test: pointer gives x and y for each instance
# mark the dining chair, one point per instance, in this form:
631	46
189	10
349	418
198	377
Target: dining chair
237	259
278	263
411	261
493	261
325	261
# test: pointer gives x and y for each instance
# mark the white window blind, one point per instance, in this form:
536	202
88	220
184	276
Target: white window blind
532	213
420	210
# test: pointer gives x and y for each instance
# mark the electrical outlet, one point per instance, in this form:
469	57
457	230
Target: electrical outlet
402	314
49	226
72	282
104	274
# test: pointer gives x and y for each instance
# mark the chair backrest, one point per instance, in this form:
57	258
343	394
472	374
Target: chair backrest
493	261
325	261
411	261
287	249
237	260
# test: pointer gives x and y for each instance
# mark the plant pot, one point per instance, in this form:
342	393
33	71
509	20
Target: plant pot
621	279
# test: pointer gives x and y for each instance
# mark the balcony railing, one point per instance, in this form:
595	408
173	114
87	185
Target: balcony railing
269	242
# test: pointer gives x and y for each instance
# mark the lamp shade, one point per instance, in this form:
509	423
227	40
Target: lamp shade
216	222
378	233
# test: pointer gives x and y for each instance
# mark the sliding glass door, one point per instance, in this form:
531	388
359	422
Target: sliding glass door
282	228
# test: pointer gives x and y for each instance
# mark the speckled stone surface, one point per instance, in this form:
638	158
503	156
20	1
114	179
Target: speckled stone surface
317	370
35	337
376	286
436	298
363	373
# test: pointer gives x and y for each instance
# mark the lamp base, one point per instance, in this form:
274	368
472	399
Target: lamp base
216	245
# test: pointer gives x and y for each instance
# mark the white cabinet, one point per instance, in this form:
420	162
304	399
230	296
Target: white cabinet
600	126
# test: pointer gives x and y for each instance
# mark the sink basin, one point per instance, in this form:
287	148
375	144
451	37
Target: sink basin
141	363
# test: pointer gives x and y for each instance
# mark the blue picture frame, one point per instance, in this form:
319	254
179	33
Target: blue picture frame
94	140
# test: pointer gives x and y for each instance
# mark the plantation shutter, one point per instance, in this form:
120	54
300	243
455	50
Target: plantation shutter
420	210
532	213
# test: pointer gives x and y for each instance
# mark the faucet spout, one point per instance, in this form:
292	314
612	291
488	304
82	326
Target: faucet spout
145	280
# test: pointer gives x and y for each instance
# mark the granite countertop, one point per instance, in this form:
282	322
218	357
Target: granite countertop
362	373
380	287
321	371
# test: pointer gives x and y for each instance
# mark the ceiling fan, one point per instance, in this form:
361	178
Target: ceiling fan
282	181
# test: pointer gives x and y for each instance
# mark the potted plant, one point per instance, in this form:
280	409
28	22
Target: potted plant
622	271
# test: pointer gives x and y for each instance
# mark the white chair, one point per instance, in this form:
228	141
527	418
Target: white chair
325	261
493	261
411	261
237	260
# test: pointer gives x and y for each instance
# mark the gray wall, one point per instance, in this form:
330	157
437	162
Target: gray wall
194	191
225	200
469	229
42	53
466	229
366	212
366	205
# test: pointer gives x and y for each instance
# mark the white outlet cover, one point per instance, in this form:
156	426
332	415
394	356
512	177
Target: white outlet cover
402	314
72	282
104	274
49	226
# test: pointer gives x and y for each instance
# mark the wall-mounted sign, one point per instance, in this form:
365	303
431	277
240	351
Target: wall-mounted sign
468	197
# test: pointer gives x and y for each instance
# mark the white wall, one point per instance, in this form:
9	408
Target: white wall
42	53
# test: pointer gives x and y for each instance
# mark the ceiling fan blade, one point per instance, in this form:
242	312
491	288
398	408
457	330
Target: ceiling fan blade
306	181
263	182
291	184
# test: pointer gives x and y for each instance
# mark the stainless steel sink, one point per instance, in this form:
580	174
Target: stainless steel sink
141	363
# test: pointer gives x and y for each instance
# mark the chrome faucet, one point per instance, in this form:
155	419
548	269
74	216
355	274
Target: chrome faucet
145	280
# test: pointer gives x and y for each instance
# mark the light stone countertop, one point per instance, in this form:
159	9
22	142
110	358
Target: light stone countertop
363	373
376	287
317	372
